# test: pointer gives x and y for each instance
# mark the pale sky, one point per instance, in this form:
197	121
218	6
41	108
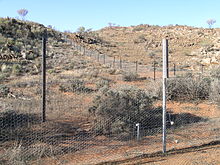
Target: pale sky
96	14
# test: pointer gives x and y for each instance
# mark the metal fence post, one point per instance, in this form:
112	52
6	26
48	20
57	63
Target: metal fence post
154	71
136	66
84	51
98	57
120	63
138	131
43	79
165	76
174	69
202	68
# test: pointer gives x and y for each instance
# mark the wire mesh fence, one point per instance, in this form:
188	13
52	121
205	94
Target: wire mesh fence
97	113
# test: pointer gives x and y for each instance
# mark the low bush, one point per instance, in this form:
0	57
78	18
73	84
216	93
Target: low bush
6	69
130	76
74	85
4	91
16	69
3	76
188	89
102	83
138	28
117	110
140	39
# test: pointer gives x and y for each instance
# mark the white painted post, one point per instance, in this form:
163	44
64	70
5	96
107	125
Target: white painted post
138	131
165	76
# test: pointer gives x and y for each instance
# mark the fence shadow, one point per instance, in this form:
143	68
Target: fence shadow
61	137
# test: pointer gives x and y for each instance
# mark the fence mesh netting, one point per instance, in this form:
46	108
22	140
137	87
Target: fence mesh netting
101	109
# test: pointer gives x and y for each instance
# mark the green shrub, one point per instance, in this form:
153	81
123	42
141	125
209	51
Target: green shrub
77	85
140	39
93	73
102	83
6	68
130	76
4	91
16	69
118	110
3	76
74	85
138	28
188	89
112	71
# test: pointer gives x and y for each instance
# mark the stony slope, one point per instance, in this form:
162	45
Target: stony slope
188	46
21	45
23	37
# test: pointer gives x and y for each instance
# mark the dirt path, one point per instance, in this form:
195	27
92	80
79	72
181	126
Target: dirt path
202	156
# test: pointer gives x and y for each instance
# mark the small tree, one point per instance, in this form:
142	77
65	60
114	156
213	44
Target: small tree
81	29
210	22
22	13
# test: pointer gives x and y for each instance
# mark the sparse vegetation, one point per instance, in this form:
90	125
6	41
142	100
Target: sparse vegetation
138	28
88	104
74	85
140	39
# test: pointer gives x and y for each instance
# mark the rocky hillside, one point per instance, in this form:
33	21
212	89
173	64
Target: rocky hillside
189	47
22	38
21	45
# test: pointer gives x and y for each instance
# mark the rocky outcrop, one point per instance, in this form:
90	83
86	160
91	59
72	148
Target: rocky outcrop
23	38
208	55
